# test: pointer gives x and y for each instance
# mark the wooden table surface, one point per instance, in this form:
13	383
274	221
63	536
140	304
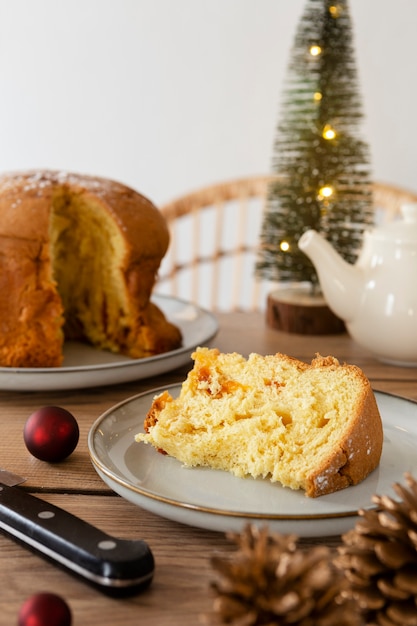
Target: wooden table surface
180	592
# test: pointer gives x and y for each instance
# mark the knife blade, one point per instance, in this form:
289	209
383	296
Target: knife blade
115	566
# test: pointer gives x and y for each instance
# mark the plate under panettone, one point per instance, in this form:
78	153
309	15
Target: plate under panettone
216	500
85	366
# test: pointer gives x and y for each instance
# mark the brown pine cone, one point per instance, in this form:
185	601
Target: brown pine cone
269	581
379	557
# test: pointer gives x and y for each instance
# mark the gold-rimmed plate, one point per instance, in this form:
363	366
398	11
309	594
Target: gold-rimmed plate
216	500
85	366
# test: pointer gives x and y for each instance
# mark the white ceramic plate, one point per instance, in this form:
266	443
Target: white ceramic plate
217	500
85	366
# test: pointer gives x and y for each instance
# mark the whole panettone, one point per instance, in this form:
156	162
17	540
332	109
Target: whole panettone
79	257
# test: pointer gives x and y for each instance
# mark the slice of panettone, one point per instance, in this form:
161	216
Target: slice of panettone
313	426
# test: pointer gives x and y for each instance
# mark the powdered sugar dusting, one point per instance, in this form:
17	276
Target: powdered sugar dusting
39	182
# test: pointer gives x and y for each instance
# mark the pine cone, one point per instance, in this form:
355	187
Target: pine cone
269	581
379	557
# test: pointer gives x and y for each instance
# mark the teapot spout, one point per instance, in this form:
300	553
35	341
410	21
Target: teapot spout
340	281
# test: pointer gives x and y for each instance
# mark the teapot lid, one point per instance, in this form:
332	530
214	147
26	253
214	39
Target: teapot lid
404	229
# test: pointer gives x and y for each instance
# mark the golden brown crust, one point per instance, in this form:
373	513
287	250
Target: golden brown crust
30	194
31	316
358	453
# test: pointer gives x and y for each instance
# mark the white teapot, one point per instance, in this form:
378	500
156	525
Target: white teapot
377	296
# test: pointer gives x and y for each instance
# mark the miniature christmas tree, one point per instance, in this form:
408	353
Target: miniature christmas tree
322	165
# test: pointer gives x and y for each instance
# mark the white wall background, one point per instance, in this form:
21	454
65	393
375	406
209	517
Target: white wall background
170	95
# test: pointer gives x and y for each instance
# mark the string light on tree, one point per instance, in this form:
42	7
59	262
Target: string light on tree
325	192
322	165
315	51
335	10
328	132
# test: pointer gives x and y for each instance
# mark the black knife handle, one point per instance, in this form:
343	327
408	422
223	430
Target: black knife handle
109	563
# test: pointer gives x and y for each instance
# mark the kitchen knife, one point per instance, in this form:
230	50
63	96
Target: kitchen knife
115	566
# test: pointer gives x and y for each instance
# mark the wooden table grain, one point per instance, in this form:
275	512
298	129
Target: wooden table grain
180	592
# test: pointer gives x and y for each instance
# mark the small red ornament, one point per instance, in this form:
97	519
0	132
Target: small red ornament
51	434
45	609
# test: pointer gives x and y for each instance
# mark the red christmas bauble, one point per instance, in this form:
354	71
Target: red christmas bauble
51	434
44	609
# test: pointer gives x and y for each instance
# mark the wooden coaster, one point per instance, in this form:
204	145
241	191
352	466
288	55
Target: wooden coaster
295	310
